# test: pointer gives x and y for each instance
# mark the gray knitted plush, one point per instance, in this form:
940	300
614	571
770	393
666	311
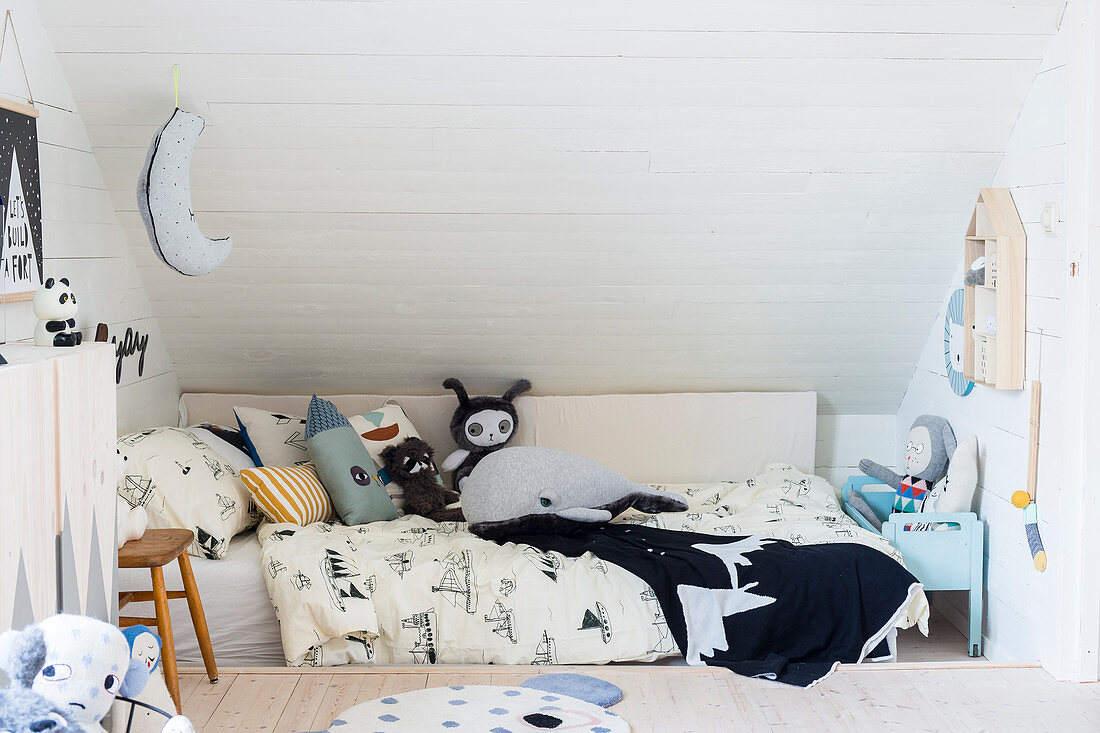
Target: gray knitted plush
928	450
22	710
529	489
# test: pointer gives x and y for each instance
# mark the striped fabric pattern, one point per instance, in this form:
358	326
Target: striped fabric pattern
291	494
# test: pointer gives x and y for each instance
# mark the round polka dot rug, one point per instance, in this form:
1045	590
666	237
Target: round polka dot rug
481	708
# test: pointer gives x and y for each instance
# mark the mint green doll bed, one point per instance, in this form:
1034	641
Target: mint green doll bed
952	559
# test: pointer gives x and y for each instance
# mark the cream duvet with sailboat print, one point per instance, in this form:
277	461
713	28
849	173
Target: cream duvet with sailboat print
413	591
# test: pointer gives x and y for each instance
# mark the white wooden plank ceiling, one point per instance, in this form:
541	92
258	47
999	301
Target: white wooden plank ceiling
597	195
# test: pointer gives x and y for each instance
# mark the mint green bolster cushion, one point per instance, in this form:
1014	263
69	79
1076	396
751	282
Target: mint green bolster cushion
345	467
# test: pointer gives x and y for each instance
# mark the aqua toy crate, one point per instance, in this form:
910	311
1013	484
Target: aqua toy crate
951	559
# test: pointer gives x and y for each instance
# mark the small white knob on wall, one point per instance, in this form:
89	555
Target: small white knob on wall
1049	218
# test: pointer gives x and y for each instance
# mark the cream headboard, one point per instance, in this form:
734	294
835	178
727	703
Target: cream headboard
650	438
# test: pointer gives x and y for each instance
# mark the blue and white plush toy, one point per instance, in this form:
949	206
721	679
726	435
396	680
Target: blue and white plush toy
85	664
83	667
132	715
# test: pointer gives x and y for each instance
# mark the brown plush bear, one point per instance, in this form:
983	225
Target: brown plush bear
409	464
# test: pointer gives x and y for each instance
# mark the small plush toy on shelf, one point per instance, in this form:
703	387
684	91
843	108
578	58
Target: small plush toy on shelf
480	425
55	307
409	463
976	274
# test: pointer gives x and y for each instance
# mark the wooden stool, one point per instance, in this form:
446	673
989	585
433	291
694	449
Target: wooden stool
156	549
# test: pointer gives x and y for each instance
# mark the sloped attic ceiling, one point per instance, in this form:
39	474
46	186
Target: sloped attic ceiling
600	196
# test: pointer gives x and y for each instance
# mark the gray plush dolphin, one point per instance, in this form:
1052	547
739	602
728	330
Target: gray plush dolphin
525	490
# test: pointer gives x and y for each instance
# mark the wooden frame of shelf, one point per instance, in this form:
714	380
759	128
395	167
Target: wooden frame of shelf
995	359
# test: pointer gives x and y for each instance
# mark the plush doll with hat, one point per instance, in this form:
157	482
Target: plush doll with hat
480	425
148	710
928	451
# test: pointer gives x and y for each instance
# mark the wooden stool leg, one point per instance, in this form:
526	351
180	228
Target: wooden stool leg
167	645
198	617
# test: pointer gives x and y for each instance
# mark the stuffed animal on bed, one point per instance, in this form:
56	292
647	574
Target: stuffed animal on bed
928	451
480	425
409	463
544	490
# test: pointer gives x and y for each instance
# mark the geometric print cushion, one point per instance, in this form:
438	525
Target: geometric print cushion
272	438
289	494
183	483
386	426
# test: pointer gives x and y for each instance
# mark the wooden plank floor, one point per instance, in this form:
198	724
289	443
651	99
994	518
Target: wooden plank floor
934	686
680	699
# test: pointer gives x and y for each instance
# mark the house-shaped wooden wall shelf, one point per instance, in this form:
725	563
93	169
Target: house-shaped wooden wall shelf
993	313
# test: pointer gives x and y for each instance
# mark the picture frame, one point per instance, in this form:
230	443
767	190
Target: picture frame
21	244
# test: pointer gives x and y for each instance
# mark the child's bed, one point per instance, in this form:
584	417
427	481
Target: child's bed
413	591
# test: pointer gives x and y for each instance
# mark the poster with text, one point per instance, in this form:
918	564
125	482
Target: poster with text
21	190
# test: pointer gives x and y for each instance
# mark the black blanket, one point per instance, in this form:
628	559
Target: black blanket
758	606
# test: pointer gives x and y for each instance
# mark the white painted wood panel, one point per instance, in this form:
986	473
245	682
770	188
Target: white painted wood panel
29	491
1019	601
603	196
86	476
82	236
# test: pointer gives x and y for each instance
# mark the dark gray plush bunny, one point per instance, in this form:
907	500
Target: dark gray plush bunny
480	425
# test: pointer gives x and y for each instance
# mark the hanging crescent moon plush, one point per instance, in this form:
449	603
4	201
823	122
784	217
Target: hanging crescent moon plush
164	200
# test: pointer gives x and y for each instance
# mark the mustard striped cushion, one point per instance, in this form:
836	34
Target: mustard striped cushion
289	493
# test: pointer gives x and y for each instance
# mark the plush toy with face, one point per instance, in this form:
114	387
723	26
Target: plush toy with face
480	425
409	463
527	489
55	307
84	666
928	451
131	715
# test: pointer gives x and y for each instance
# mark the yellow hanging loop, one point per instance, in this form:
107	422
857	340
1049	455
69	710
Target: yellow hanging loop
176	84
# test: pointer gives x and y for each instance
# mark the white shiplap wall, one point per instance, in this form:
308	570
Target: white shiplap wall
1019	601
601	196
81	233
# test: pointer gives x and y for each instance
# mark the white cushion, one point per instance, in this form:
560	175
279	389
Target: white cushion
273	438
183	483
